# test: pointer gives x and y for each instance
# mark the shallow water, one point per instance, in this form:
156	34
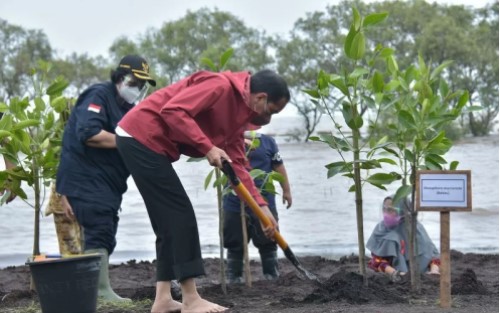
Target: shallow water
322	220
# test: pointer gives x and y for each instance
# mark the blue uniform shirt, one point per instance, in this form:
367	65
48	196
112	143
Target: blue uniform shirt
87	172
264	157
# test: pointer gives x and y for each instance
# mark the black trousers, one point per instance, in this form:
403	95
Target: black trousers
178	252
233	236
99	221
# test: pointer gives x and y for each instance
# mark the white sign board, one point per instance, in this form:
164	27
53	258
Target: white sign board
438	190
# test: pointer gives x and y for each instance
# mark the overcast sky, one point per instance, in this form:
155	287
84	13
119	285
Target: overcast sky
92	25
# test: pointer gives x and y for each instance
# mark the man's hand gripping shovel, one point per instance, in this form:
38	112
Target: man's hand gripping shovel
245	195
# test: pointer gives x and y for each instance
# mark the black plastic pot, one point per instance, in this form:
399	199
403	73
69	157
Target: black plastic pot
67	285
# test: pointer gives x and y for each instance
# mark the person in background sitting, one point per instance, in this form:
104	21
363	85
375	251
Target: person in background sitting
388	244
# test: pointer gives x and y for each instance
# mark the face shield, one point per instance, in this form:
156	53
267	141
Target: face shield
132	90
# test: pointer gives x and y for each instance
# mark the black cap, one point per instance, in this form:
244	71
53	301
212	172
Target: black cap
138	67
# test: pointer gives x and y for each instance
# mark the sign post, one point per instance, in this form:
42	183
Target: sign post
444	192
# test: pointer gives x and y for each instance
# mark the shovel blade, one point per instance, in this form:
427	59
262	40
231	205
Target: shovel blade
290	256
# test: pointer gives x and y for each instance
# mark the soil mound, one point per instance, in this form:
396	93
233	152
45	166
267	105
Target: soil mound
341	288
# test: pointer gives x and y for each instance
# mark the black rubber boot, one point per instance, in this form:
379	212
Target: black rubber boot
270	265
234	268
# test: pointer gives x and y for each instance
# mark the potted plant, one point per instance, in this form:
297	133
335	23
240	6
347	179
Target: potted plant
30	133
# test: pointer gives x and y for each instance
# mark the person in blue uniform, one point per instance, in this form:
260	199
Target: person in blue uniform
266	157
91	173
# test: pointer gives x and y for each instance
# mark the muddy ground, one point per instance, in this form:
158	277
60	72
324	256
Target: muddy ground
474	288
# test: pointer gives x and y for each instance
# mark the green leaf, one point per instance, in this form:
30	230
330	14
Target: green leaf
444	89
356	19
431	165
402	193
348	41
406	119
19	192
39	104
322	81
338	167
378	82
392	85
454	165
5	196
409	156
225	57
375	18
435	158
381	179
352	188
386	52
3	107
275	176
25	124
6	122
4	134
312	92
24	140
463	100
368	164
339	83
435	73
392	64
403	84
359	71
378	186
391	151
209	63
358	46
437	139
358	122
221	181
347	113
49	121
57	87
208	179
387	160
334	142
59	104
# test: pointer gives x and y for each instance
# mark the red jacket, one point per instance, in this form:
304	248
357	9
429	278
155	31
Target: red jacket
191	116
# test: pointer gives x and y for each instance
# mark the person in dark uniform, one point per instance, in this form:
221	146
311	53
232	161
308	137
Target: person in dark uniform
91	173
265	157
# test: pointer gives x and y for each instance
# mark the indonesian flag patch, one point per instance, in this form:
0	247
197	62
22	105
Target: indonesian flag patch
94	108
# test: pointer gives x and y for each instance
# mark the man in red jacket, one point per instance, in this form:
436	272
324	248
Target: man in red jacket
204	114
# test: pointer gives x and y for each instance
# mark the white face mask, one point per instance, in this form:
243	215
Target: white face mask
131	94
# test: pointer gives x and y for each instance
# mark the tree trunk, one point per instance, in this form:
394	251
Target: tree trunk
414	266
359	205
246	258
221	235
36	237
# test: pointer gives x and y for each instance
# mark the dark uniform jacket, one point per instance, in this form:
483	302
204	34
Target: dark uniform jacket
93	173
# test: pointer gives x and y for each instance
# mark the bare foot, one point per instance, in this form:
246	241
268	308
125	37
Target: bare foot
168	306
202	306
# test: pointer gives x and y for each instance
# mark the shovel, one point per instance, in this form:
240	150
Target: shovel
245	195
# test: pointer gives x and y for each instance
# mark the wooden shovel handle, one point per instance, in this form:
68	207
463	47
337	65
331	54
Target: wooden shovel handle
245	195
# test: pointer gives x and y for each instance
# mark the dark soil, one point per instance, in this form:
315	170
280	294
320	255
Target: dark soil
474	288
